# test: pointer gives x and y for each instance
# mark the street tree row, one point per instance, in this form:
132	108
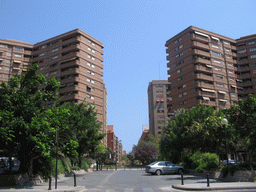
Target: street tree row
28	130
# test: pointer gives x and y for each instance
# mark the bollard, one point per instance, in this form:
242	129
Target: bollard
50	183
208	182
182	181
74	180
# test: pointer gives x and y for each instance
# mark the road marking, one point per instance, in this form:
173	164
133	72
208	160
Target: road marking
128	190
148	190
103	181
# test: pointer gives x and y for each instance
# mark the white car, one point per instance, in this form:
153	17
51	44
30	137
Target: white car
162	167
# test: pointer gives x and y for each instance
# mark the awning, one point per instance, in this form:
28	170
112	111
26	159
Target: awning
157	100
240	88
239	80
25	63
233	86
24	69
16	61
215	38
1	59
222	92
162	100
208	90
16	68
201	34
206	98
222	100
209	66
70	59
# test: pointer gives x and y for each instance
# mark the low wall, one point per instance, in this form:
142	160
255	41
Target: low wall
239	176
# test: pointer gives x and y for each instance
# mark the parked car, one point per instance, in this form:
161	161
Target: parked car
233	162
163	167
4	164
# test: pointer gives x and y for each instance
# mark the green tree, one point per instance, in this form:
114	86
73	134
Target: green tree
243	118
24	130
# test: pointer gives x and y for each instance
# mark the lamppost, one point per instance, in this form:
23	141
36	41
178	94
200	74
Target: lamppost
116	153
56	171
224	122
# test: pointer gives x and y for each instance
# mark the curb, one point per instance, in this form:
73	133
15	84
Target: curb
211	188
74	189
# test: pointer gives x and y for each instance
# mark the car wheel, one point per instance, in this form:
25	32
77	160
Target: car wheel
180	171
158	172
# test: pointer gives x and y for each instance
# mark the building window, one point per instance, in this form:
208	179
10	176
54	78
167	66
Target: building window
46	75
230	64
252	49
254	71
226	42
91	42
55	57
251	42
241	51
7	68
180	63
41	54
216	60
6	76
215	46
218	68
55	42
9	54
18	48
8	61
180	70
178	40
230	71
220	84
91	97
219	76
181	78
2	45
179	55
179	47
215	53
41	68
253	56
234	95
42	47
227	50
54	50
228	56
231	79
53	72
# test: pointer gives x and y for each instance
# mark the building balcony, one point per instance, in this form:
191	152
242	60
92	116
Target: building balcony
234	54
244	61
71	48
223	96
204	77
68	80
200	45
205	93
223	104
245	84
71	40
200	52
202	68
201	60
208	103
245	76
233	47
243	69
26	52
199	38
204	85
249	91
70	55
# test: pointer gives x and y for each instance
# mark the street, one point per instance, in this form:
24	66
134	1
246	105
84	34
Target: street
131	181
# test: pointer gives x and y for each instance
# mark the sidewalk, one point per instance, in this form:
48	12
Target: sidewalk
216	186
43	188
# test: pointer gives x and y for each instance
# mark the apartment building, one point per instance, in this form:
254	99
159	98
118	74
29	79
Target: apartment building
211	69
159	101
73	58
114	143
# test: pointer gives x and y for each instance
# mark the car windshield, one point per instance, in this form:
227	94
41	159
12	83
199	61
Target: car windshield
153	163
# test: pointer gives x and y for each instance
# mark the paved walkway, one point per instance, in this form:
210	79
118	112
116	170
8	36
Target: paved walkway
216	186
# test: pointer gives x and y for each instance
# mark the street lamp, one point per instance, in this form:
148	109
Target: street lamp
224	122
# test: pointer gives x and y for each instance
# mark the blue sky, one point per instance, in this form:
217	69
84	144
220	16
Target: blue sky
134	35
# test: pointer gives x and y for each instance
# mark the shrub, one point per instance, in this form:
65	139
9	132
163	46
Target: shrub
61	168
85	164
204	161
76	168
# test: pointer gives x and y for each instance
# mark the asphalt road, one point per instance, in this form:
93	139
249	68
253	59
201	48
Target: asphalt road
132	181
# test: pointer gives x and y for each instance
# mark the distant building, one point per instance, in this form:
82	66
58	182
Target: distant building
158	103
114	143
145	131
211	69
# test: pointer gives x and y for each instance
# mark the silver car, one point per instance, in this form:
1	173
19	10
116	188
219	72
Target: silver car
163	167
